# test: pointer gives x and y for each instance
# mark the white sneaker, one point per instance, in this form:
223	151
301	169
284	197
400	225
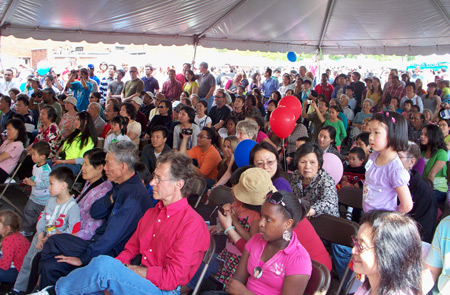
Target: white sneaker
43	291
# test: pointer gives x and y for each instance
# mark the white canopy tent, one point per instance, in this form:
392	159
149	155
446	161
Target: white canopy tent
332	26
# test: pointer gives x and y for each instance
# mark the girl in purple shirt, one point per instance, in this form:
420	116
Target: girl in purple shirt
386	178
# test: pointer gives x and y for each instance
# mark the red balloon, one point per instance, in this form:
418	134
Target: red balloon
292	103
282	121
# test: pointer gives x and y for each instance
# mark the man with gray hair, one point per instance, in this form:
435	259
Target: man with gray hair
206	84
170	241
94	109
121	209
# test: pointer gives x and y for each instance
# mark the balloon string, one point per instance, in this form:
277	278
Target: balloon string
284	157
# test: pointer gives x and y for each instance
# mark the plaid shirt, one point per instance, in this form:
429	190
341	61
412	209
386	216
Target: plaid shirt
392	91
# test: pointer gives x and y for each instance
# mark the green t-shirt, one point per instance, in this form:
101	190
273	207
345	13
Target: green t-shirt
340	130
73	151
440	180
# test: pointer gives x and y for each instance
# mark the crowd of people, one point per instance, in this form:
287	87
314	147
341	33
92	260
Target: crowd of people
139	144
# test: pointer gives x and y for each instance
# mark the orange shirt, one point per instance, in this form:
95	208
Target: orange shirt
207	161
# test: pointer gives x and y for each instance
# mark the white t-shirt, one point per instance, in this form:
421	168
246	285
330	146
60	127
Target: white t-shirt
113	138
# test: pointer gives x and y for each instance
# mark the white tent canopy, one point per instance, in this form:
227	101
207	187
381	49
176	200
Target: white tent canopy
332	26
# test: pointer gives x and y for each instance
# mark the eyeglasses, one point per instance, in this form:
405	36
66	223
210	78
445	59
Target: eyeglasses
266	163
161	107
275	198
201	136
218	96
158	180
359	246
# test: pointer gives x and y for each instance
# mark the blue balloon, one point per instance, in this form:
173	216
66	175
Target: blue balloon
43	71
242	152
291	56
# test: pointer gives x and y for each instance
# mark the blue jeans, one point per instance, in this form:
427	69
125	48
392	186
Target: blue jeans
341	258
74	167
440	196
107	273
8	276
210	101
212	269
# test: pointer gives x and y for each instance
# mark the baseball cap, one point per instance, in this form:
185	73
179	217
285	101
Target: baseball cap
71	99
137	100
48	90
91	66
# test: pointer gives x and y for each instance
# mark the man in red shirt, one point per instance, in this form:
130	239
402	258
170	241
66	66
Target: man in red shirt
172	88
171	238
324	87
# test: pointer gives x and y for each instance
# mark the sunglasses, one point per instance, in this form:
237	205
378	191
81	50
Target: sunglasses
161	107
275	198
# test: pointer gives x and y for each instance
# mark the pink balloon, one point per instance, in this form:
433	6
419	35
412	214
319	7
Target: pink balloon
292	103
282	122
333	165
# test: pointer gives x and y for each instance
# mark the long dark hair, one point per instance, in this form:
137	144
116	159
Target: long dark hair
122	122
20	127
435	139
332	131
396	127
87	130
263	145
380	90
397	252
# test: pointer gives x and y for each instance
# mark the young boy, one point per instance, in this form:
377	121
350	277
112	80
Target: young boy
145	175
290	157
39	183
407	109
362	141
61	215
354	172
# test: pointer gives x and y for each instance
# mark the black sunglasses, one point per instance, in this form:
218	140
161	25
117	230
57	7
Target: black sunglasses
275	198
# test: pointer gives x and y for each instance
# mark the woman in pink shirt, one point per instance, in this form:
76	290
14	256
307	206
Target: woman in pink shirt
12	147
274	261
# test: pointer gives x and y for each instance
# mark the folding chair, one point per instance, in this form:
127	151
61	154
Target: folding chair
351	196
73	188
206	260
22	157
320	279
198	189
336	230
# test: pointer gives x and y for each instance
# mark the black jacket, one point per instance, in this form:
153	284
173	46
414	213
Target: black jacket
148	156
424	210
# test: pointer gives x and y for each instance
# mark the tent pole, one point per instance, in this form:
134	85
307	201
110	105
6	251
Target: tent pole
196	41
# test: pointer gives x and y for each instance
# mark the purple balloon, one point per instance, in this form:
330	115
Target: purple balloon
333	165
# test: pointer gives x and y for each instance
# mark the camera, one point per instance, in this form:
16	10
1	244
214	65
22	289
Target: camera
186	131
34	95
308	101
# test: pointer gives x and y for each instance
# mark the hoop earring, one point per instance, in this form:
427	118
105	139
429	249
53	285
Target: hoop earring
287	235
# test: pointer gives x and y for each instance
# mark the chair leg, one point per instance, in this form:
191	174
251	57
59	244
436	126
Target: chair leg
341	284
14	206
199	283
2	197
198	201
